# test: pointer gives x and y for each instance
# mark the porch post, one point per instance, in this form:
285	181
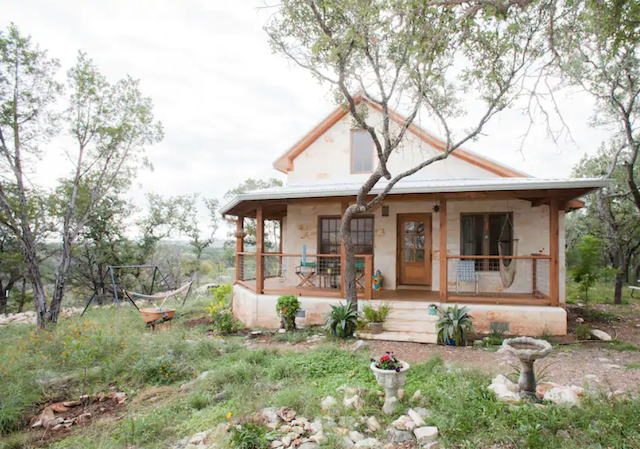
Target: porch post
239	243
554	247
343	257
259	250
443	251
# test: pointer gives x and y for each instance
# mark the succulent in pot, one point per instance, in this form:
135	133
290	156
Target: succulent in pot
342	320
288	307
454	322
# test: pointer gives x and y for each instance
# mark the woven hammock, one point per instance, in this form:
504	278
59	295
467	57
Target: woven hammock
508	272
162	296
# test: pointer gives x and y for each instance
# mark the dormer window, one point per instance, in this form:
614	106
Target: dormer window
361	151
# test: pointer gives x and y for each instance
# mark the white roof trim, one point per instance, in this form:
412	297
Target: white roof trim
430	186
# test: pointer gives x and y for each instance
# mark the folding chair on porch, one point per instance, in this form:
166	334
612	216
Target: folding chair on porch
466	272
360	275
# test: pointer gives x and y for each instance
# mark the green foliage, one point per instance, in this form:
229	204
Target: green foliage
585	270
343	320
248	434
288	307
583	331
220	311
379	315
452	325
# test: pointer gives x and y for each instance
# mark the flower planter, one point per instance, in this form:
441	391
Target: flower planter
376	328
390	381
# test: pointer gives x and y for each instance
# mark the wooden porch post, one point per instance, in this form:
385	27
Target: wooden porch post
443	251
554	249
259	250
368	277
343	257
239	244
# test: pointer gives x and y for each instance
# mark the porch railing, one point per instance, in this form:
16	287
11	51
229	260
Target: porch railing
313	275
478	278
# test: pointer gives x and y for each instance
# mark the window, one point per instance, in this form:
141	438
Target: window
361	152
361	235
480	235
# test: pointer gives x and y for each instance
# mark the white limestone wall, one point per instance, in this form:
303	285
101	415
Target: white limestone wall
327	160
259	311
531	226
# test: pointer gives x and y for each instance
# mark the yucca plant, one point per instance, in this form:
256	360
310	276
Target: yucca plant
453	324
343	320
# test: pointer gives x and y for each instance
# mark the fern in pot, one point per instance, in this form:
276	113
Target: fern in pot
454	322
376	317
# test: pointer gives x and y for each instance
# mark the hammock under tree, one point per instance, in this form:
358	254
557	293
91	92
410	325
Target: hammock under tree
507	270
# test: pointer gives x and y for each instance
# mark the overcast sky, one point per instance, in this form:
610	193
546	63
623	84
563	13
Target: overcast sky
229	106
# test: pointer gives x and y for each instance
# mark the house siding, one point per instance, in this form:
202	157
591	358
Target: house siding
328	159
531	228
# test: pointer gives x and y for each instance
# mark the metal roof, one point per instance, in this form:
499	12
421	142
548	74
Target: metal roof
423	186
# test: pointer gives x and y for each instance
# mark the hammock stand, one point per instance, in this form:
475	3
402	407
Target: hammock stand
159	314
507	272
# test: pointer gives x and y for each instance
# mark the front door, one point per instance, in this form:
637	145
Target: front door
414	243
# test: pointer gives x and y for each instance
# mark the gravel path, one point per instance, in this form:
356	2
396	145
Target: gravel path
594	366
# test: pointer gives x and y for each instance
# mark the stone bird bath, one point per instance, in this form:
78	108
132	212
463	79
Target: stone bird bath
528	350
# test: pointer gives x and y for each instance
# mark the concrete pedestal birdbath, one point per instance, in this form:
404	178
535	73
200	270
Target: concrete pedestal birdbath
390	380
528	350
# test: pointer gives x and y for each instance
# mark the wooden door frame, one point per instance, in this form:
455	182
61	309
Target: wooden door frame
428	251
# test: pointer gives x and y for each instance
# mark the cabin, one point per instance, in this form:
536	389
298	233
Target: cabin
467	230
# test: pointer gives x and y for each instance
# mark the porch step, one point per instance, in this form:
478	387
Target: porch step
416	337
410	318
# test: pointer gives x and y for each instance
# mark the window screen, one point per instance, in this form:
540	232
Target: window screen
480	235
361	235
361	152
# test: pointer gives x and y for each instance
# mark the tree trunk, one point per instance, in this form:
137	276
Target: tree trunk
23	295
350	286
621	277
61	279
3	299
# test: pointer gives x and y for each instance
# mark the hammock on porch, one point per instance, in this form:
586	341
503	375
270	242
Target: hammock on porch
507	271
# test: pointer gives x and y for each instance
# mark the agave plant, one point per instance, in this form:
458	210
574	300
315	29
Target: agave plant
453	324
343	320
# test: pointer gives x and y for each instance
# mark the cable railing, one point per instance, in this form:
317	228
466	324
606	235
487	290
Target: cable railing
501	278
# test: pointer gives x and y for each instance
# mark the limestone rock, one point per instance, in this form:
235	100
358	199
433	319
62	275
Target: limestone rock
372	424
354	402
398	436
271	415
401	394
562	396
504	389
401	423
359	345
426	434
308	445
198	438
356	436
369	443
416	418
328	403
600	335
416	396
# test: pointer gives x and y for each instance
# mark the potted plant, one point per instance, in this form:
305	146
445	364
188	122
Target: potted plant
453	324
391	374
376	317
343	320
288	307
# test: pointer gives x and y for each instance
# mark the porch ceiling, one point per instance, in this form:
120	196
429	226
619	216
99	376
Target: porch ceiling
274	201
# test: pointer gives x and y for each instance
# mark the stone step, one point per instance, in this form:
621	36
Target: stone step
416	337
410	326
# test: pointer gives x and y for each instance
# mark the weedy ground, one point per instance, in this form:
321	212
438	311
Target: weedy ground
110	350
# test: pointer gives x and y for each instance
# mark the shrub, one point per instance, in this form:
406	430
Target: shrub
379	315
452	325
221	314
288	307
585	273
583	331
248	434
342	320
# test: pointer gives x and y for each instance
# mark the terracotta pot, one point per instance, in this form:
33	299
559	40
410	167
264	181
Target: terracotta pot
150	314
376	328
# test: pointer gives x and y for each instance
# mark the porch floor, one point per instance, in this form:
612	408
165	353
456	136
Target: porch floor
417	295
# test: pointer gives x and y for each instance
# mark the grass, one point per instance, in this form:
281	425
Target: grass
600	293
111	349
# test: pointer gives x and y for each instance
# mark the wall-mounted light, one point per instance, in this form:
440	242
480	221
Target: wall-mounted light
385	211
